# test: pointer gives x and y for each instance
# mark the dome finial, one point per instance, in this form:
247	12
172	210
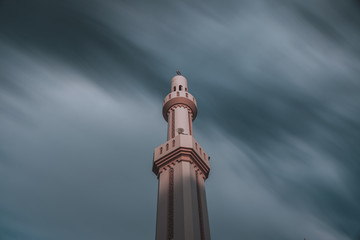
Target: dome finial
178	72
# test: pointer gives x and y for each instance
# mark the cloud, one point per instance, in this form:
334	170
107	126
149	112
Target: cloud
81	91
66	166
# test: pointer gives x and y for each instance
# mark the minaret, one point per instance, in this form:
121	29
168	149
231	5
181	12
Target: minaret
182	167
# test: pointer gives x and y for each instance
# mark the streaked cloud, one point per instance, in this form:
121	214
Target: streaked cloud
81	86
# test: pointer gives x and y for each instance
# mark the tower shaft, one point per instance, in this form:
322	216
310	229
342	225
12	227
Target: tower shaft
182	167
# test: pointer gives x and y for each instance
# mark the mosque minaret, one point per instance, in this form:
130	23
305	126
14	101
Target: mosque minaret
182	166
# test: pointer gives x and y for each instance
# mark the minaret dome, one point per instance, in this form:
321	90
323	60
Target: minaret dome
179	83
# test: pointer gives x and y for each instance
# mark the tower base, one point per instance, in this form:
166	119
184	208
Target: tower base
181	167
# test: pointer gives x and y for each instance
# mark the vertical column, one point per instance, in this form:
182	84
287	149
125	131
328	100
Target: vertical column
186	221
182	119
205	228
170	216
190	123
163	205
171	124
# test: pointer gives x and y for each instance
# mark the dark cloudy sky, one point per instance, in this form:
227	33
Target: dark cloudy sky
81	90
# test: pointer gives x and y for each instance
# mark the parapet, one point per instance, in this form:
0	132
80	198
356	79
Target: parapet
181	148
174	98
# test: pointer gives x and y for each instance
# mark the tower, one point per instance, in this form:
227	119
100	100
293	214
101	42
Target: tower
182	166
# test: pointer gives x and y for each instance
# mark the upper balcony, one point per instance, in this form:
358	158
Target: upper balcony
179	97
179	94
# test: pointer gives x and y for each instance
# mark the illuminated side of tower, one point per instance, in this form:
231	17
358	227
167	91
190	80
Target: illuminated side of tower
182	166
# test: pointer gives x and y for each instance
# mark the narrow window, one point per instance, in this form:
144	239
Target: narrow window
160	150
180	87
200	151
196	146
173	143
174	88
167	146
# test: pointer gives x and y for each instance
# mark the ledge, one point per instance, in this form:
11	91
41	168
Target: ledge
181	148
179	98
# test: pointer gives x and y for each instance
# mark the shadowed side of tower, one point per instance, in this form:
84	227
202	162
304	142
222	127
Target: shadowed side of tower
182	167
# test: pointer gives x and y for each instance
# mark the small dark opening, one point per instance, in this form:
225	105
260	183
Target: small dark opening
180	87
174	88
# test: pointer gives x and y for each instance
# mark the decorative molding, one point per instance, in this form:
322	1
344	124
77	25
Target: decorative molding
190	123
202	233
172	123
170	214
182	154
179	100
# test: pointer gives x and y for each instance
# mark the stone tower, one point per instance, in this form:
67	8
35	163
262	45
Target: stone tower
182	167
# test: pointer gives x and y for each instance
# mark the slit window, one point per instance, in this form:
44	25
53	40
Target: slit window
161	150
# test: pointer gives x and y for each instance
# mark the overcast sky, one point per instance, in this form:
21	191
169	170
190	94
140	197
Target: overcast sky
278	92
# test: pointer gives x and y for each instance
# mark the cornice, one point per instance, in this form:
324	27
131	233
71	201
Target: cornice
178	155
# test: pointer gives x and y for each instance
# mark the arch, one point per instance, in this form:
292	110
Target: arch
180	87
174	88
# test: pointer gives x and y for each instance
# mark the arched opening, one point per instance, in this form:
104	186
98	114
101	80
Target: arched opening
180	87
185	89
174	88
